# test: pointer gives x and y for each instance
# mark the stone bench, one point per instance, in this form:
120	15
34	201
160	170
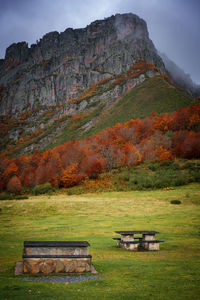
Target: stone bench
56	257
152	245
130	245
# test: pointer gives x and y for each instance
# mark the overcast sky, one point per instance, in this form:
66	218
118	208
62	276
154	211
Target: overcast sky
173	25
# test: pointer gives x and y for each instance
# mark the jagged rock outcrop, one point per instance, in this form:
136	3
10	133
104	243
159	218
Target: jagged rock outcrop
61	66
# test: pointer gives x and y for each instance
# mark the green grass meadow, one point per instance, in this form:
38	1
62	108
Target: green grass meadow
171	273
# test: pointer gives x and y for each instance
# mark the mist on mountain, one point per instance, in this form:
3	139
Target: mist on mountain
182	79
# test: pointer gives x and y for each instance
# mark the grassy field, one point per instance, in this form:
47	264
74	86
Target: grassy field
171	273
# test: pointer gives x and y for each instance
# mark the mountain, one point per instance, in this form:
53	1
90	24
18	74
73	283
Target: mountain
70	84
61	66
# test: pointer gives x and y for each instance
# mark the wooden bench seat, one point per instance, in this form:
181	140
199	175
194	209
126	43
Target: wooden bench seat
130	242
140	240
152	241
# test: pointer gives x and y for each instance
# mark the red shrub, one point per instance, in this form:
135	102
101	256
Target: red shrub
14	185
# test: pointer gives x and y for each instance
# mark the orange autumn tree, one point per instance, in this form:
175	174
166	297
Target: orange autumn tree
70	176
11	170
91	165
163	154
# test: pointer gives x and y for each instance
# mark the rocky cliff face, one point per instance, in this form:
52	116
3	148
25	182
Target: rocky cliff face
70	76
61	66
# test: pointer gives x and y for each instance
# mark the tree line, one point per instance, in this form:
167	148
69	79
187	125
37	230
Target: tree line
155	138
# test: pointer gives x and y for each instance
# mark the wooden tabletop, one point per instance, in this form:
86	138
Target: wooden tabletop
56	244
136	232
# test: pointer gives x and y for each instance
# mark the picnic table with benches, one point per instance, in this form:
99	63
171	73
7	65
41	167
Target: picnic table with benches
146	240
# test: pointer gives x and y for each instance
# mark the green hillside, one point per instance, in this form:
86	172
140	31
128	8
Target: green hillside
154	94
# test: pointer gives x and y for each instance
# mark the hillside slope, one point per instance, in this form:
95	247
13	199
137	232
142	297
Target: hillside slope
154	94
154	139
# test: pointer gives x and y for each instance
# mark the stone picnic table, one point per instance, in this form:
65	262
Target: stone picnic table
146	240
56	257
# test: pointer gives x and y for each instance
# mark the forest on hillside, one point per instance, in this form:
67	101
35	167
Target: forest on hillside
156	138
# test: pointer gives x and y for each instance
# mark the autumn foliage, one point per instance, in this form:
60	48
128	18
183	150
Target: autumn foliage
70	176
14	185
140	67
90	92
156	138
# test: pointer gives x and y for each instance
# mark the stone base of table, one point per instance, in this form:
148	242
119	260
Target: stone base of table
19	268
128	246
56	265
149	237
151	246
55	251
127	238
139	244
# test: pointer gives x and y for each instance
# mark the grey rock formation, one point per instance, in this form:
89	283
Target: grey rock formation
17	53
62	65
